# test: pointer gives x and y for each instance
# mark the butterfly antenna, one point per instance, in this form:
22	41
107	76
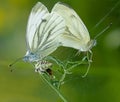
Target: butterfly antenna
105	29
10	65
112	9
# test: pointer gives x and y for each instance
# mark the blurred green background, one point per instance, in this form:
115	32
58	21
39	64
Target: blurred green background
102	83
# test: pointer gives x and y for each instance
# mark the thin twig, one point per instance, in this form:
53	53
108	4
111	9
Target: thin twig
54	88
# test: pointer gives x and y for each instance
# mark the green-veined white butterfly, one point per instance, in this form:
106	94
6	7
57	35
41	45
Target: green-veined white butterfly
76	34
43	31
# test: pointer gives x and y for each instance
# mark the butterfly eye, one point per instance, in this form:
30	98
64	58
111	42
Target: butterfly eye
94	42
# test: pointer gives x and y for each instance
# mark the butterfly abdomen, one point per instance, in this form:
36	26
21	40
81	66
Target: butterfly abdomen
43	66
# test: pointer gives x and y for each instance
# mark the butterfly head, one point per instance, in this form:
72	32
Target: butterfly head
30	57
91	44
88	46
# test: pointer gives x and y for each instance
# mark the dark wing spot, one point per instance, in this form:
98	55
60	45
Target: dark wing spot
44	20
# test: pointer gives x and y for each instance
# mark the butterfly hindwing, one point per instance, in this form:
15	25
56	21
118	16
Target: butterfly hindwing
50	33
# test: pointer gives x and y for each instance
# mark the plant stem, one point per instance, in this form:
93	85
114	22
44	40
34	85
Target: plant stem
62	79
55	89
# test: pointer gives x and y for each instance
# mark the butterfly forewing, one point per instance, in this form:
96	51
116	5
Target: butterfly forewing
35	18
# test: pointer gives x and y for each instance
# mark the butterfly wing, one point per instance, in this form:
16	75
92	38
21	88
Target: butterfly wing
76	31
48	34
35	18
42	30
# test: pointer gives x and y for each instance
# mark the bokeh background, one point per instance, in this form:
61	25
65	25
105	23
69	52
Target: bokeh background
102	83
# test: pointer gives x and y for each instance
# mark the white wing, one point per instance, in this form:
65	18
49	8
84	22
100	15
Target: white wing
48	34
35	18
43	30
76	35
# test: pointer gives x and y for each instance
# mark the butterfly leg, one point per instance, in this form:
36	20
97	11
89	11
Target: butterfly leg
89	59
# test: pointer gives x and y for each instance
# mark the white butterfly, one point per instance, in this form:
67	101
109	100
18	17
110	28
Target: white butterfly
43	31
76	34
